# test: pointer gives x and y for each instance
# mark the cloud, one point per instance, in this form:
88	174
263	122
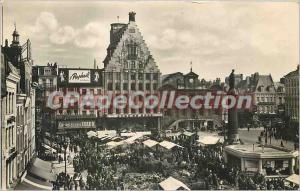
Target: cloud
63	35
90	36
45	22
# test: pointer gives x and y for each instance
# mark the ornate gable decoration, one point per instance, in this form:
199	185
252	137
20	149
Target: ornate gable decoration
131	48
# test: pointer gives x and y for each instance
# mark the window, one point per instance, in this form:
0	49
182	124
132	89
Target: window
118	76
110	76
132	65
141	76
147	86
125	86
148	76
118	86
109	86
132	76
83	91
258	99
140	86
132	86
155	76
141	65
125	76
154	86
132	51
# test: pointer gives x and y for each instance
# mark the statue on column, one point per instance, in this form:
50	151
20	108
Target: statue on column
233	136
231	80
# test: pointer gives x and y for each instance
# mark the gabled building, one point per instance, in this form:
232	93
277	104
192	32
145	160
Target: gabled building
18	104
129	67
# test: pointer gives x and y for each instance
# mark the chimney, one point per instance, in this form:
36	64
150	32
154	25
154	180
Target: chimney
132	16
95	64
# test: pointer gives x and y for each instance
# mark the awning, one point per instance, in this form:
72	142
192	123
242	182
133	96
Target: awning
49	148
42	169
150	143
91	134
27	186
133	138
208	140
294	178
135	133
113	144
104	133
39	163
173	184
42	173
169	145
187	133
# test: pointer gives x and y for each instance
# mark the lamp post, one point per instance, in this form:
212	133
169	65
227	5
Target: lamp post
64	145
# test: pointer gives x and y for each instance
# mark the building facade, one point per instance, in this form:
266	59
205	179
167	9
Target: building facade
189	84
45	78
75	117
18	105
130	67
292	95
267	94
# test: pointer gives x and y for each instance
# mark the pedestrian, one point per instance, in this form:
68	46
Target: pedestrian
281	144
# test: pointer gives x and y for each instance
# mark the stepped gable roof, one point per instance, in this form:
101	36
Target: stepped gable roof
112	46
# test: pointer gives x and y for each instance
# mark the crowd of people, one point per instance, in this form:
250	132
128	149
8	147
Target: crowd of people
203	167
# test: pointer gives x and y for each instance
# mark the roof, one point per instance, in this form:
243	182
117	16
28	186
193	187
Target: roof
132	139
208	140
168	76
113	44
256	151
168	145
150	143
105	133
264	81
113	144
294	178
91	134
187	133
293	73
191	73
173	184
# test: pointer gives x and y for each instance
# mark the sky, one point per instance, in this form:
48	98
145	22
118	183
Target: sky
215	36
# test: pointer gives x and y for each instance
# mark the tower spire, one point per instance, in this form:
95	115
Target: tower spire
191	63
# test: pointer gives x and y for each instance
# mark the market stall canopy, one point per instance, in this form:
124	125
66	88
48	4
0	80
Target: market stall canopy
294	178
208	140
132	139
187	133
173	184
150	143
106	133
113	144
135	133
169	145
91	134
